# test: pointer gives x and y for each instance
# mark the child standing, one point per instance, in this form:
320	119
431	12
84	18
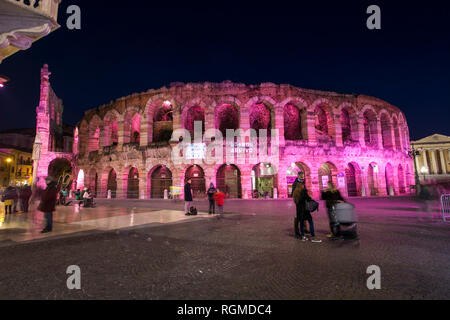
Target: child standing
220	201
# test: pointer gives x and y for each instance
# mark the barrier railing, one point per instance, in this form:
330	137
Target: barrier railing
445	206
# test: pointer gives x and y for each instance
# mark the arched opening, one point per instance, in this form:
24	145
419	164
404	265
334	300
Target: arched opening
198	185
133	184
261	118
349	125
292	174
228	180
386	131
194	114
389	179
93	182
322	124
398	143
111	130
163	123
160	179
264	180
112	183
401	180
353	180
226	117
327	172
61	170
292	122
132	127
372	179
370	128
136	129
94	136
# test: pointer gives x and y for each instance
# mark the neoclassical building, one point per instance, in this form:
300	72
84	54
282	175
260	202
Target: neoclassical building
360	143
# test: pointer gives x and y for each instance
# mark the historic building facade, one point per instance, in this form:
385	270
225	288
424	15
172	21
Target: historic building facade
433	158
123	148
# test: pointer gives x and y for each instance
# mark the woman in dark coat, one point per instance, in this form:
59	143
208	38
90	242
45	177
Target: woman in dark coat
300	198
48	203
331	195
187	196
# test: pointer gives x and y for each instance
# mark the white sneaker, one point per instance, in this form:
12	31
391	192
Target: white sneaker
316	240
304	239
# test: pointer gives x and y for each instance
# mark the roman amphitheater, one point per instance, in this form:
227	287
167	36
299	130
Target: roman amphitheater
123	149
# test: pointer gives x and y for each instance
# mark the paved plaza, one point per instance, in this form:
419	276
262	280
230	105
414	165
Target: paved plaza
150	250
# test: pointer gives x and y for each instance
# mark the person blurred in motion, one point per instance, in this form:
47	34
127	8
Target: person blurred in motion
426	198
331	195
88	198
301	198
24	198
187	197
48	203
211	191
78	195
219	197
9	197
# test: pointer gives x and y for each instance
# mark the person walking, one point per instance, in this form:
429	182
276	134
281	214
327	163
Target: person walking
16	199
219	197
8	197
48	203
187	197
212	206
331	195
24	198
301	198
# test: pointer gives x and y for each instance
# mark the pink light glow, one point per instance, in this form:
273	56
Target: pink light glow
1	85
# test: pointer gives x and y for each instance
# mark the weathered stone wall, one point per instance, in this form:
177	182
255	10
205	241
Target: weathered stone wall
388	146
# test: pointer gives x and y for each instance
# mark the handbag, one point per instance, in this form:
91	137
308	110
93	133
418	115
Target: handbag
312	205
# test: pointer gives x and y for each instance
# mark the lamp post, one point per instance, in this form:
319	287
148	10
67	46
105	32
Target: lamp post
9	160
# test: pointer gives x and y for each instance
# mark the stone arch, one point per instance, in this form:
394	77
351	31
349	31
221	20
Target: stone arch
197	174
401	180
94	133
386	130
228	180
109	182
131	125
292	173
226	116
162	119
192	112
61	170
111	128
264	179
159	179
370	125
353	177
327	172
93	181
389	176
372	179
324	120
294	121
130	182
397	136
349	122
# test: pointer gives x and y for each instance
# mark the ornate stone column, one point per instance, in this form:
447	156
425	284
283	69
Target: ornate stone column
120	132
444	164
433	161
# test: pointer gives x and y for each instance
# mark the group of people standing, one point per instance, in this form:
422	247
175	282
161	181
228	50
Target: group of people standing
215	197
13	196
331	195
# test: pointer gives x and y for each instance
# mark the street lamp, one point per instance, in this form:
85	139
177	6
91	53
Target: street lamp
3	81
424	171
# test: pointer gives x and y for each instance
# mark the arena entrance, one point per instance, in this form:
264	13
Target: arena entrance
228	180
327	173
161	179
292	174
133	184
353	180
112	183
197	175
61	170
264	180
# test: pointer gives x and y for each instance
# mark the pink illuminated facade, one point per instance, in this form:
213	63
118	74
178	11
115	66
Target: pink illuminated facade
360	143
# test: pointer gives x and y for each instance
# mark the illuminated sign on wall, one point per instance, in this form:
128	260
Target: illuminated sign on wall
195	151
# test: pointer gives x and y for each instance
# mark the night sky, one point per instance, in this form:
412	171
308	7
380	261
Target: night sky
325	46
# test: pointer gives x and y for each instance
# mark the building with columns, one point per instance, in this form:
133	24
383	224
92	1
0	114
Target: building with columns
433	158
124	148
